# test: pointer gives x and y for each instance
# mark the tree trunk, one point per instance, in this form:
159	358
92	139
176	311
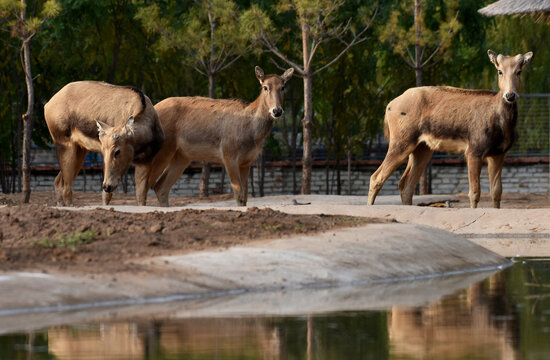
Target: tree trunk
327	175
290	139
116	48
27	117
261	173
417	45
418	73
205	176
348	154
425	179
293	151
338	179
307	159
19	172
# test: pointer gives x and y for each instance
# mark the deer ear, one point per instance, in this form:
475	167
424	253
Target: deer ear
492	56
527	58
130	125
287	75
102	127
259	74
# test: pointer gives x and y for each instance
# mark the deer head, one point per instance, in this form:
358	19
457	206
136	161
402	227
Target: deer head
117	147
273	90
509	71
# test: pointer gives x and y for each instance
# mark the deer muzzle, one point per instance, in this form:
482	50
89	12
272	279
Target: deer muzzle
277	112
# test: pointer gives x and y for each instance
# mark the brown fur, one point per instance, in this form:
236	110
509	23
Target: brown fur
71	116
231	132
478	123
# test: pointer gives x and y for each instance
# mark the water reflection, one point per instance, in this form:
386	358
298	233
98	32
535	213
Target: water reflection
482	323
503	317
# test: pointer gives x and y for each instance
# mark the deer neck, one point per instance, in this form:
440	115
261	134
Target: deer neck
507	117
261	121
508	112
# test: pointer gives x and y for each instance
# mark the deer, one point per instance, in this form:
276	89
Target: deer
227	131
118	121
480	124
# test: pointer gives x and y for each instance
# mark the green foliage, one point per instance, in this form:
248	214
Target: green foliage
51	9
71	241
209	33
255	21
8	7
10	11
438	25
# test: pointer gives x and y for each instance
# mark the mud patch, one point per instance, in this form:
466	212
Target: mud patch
34	237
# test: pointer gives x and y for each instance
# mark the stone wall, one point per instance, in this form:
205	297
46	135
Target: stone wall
447	179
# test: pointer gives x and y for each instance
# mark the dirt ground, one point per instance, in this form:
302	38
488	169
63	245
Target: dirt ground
31	235
509	201
36	236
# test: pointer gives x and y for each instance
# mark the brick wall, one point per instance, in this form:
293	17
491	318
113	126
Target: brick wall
446	179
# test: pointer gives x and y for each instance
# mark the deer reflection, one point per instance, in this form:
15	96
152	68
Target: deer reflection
482	323
153	339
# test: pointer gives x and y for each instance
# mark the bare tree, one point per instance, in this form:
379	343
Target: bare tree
24	27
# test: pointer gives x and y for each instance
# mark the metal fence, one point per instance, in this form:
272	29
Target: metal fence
533	126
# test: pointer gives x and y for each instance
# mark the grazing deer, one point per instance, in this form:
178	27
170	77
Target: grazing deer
118	121
231	132
478	123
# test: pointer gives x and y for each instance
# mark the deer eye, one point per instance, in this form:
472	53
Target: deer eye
500	72
519	72
117	152
283	88
265	88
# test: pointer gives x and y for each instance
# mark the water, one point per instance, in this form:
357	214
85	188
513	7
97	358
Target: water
506	316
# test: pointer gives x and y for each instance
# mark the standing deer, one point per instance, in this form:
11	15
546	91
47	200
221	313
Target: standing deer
478	123
231	132
118	121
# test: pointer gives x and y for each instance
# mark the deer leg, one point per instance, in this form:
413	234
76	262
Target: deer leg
234	174
58	185
405	198
474	170
244	172
494	167
418	160
169	177
58	182
158	165
71	157
141	176
106	197
394	158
